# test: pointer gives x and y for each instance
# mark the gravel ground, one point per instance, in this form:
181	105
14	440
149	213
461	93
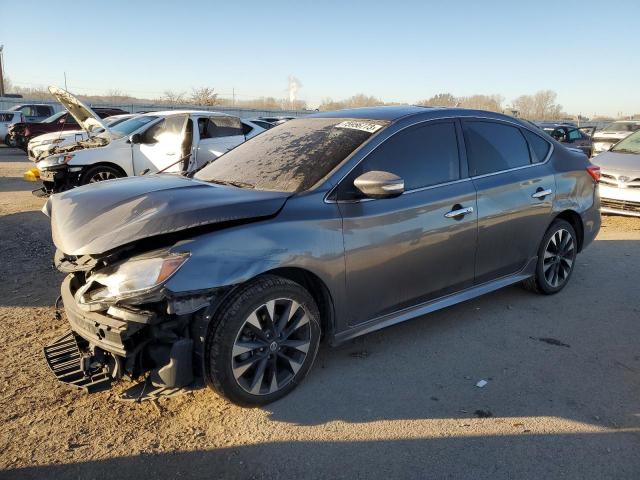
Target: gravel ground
400	403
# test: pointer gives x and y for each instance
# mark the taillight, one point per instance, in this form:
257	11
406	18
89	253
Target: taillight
594	171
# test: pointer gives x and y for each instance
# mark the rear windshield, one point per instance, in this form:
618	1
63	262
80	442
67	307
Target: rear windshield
292	157
631	144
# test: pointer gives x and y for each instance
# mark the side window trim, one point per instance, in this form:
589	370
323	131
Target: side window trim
532	154
462	165
519	128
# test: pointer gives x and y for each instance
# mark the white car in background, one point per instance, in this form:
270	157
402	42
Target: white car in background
604	139
620	177
176	141
8	118
40	146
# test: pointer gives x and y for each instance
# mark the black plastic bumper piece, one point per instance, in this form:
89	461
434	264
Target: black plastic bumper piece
65	359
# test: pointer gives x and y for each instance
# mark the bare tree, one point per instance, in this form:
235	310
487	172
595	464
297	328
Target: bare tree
173	98
440	100
492	103
539	106
356	101
204	96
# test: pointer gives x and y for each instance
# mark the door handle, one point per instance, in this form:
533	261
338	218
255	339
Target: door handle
171	154
459	212
541	193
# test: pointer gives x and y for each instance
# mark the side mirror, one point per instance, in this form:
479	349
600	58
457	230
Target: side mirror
135	138
376	184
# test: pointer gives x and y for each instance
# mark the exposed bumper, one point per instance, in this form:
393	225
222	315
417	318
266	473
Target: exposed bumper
68	363
122	341
106	332
621	201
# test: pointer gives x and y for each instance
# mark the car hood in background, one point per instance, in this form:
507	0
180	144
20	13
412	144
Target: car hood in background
619	162
86	118
610	135
101	216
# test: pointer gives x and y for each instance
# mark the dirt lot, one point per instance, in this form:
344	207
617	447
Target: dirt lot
398	403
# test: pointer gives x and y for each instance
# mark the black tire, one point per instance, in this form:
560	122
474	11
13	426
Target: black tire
230	329
8	142
561	262
100	173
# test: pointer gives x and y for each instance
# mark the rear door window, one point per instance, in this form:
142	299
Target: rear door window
494	147
423	156
539	146
217	127
575	135
43	110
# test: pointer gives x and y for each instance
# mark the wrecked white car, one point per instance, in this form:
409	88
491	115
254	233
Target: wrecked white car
178	141
44	145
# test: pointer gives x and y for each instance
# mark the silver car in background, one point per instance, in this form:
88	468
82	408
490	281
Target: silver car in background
620	177
604	139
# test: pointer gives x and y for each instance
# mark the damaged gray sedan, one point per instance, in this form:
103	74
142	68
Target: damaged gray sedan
333	225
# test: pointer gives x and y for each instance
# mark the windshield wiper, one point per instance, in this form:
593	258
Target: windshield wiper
232	183
624	150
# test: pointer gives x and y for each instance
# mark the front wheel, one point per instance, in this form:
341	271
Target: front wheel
263	341
9	141
99	173
556	259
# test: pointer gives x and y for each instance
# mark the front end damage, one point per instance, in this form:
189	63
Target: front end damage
147	334
54	168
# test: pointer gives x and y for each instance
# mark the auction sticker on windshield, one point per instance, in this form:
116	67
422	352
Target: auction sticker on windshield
364	126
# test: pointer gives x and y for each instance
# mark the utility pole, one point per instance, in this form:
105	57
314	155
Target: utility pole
65	81
233	96
1	71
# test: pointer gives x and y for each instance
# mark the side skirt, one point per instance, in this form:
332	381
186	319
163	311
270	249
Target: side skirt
433	305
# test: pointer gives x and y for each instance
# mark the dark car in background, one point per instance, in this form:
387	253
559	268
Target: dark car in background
34	112
571	136
333	225
21	133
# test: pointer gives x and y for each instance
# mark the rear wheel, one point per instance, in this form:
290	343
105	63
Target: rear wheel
556	259
100	173
263	341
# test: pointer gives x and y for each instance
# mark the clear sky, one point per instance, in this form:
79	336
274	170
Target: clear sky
404	51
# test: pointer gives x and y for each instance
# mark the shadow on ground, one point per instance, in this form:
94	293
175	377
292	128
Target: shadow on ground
30	279
479	457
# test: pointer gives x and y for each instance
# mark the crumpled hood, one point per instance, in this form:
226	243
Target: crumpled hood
86	118
98	217
619	162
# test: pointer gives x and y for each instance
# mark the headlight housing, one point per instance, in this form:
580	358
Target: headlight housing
133	278
55	161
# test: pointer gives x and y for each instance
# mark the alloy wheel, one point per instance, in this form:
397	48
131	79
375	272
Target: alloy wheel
559	255
271	346
102	175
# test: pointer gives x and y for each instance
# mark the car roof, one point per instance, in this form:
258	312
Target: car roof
189	112
396	112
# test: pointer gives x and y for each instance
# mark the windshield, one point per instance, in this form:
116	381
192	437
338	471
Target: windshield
631	144
54	117
622	127
293	156
130	125
114	120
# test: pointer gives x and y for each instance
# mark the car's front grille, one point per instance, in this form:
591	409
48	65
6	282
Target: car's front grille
622	205
619	181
